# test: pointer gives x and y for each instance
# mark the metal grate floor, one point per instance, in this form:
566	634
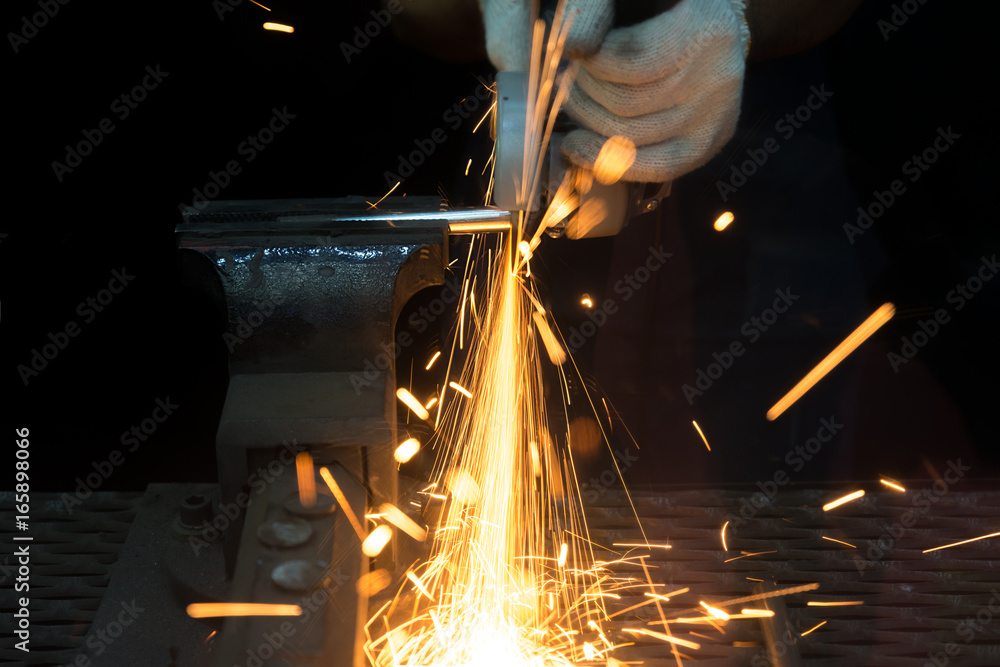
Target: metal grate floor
938	608
70	561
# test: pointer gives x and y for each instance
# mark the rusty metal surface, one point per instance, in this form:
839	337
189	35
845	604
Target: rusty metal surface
939	608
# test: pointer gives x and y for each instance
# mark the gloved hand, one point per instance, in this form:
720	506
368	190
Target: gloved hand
671	84
508	30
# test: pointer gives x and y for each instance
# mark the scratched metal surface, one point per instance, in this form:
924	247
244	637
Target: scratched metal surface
917	607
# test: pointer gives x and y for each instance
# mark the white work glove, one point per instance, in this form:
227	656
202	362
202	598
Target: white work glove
671	84
508	26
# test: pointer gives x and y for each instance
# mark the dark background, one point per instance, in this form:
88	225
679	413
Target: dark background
352	119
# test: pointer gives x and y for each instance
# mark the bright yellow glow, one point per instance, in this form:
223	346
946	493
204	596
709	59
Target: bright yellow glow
703	438
845	499
306	479
845	603
460	389
469	164
724	547
376	541
342	501
396	517
562	554
764	613
586	301
893	485
723	221
718	613
849	344
279	27
213	609
814	628
616	156
478	227
955	544
433	358
406	450
410	401
430	404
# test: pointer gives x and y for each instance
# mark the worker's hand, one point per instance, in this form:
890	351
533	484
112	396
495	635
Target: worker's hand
671	84
508	30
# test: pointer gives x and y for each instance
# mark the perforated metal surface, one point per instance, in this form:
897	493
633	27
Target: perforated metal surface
71	555
936	608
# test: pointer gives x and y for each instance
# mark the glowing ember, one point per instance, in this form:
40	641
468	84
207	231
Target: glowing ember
814	628
376	541
702	434
839	542
342	501
279	27
845	603
851	343
845	499
306	478
616	156
396	517
955	544
213	609
893	485
723	221
406	450
410	401
432	360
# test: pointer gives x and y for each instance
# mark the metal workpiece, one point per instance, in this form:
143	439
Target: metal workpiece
309	292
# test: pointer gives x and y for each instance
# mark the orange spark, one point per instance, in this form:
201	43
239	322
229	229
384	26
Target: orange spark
371	205
213	609
839	541
586	301
406	450
763	613
342	500
723	221
434	358
259	5
845	603
955	544
372	582
616	156
412	403
893	485
718	613
430	404
416	582
469	164
563	550
666	638
724	547
849	344
746	555
846	499
647	545
555	351
460	389
279	27
816	627
396	517
307	479
376	541
703	438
